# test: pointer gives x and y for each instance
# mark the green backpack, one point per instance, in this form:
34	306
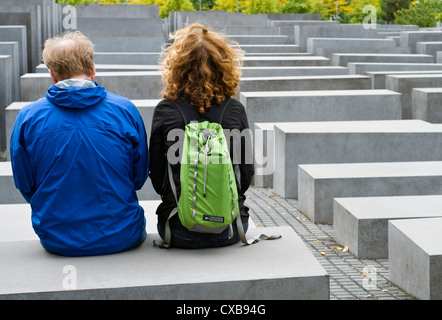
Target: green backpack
208	202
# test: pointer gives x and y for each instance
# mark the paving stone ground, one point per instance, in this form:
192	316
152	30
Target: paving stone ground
351	278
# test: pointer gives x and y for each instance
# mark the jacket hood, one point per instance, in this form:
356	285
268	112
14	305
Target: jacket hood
77	97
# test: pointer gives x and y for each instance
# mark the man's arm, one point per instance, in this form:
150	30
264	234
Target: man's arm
21	164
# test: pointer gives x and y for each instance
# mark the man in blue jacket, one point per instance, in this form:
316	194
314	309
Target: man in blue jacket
78	156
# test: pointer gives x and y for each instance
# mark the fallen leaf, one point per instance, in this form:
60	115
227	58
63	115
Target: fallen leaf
345	249
322	253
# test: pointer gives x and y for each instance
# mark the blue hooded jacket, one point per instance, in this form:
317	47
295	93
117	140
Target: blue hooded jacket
78	155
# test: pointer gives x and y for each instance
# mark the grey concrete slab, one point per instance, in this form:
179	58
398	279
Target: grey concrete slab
429	47
329	52
362	67
121	26
339	82
127	43
320	183
6	84
342	59
411	38
219	19
404	84
95	11
361	223
32	22
270	48
348	43
378	78
439	57
8	192
17	34
426	104
132	85
251	61
170	274
349	141
41	68
264	164
303	32
130	58
47	12
259	39
11	49
415	256
321	105
247	72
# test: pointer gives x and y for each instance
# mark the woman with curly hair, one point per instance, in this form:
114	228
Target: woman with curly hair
201	73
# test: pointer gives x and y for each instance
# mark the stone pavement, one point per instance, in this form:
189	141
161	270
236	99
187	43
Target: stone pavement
351	278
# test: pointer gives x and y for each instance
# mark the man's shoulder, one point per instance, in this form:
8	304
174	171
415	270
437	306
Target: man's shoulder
115	98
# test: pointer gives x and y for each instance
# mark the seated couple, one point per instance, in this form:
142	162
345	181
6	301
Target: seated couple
80	153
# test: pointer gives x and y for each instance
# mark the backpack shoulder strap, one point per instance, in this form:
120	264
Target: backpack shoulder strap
214	114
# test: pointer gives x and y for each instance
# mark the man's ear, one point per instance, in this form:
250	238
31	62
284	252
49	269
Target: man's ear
93	73
54	78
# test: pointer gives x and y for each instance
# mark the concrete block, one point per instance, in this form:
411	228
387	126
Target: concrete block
122	26
361	223
404	84
320	183
47	12
342	59
129	58
329	52
411	38
32	22
344	82
348	43
6	84
349	142
429	47
264	164
8	192
362	67
426	104
41	68
132	85
330	105
247	72
303	32
31	273
270	48
294	17
11	49
215	19
439	57
260	39
17	34
96	11
280	61
127	43
415	256
378	78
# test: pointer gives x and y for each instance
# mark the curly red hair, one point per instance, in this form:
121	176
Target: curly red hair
201	66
